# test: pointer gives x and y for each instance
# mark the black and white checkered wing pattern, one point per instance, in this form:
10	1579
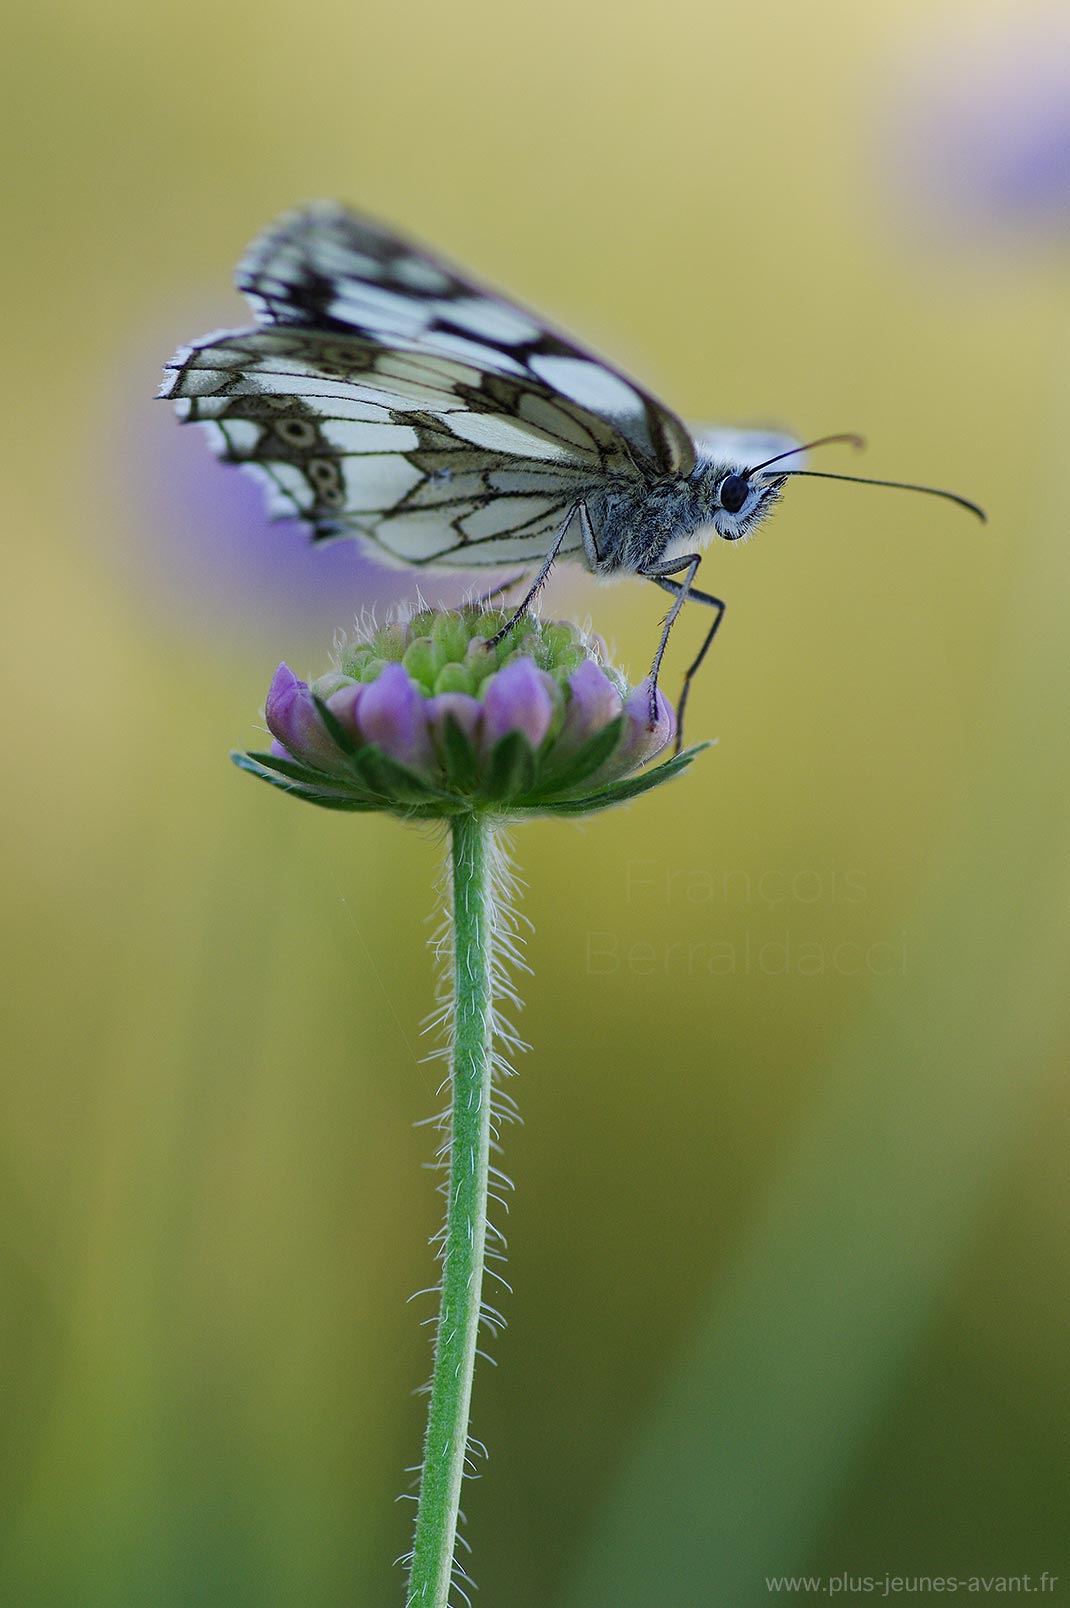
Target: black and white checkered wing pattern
383	396
326	268
438	463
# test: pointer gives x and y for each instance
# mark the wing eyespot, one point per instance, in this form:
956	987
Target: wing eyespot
297	432
325	478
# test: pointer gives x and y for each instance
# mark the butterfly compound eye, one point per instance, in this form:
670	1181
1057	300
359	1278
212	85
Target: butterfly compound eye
733	493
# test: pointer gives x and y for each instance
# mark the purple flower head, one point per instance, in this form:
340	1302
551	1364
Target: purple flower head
394	716
594	700
459	709
518	698
644	738
296	724
441	714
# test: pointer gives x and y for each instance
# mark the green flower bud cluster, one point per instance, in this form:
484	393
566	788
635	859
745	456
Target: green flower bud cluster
441	714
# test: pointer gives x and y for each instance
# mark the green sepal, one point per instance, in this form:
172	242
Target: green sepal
307	775
391	782
510	772
462	761
583	763
620	792
345	740
326	800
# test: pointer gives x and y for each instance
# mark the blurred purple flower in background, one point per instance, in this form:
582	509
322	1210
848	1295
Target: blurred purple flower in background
195	532
980	131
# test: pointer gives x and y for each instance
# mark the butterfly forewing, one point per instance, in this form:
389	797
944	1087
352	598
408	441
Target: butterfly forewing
325	268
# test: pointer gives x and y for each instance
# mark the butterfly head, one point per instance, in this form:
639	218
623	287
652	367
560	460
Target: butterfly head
740	497
743	499
743	484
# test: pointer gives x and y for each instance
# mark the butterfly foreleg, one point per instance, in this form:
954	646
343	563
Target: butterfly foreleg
663	575
537	584
484	598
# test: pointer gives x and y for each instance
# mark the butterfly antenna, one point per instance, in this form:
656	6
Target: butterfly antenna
851	439
898	485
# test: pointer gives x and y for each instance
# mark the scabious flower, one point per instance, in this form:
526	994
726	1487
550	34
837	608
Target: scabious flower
432	717
429	717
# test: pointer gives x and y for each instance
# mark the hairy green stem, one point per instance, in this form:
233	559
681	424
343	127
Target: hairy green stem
464	1246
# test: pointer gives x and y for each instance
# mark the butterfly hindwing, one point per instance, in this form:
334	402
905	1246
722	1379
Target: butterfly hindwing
426	460
741	448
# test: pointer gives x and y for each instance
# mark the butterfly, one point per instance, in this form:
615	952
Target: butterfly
385	396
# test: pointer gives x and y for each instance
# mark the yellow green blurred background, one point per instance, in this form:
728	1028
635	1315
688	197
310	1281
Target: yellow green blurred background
789	1237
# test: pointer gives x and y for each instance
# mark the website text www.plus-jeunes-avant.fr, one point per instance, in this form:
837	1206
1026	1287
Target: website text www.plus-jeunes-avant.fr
919	1585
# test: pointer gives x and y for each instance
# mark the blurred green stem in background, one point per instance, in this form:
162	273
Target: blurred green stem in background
802	1347
463	1247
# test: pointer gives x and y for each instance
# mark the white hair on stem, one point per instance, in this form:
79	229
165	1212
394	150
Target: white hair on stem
506	931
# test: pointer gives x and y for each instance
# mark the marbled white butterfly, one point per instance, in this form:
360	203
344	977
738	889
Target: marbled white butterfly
382	394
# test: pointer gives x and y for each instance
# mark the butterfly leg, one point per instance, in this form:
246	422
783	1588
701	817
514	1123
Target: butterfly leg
681	590
537	584
484	598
